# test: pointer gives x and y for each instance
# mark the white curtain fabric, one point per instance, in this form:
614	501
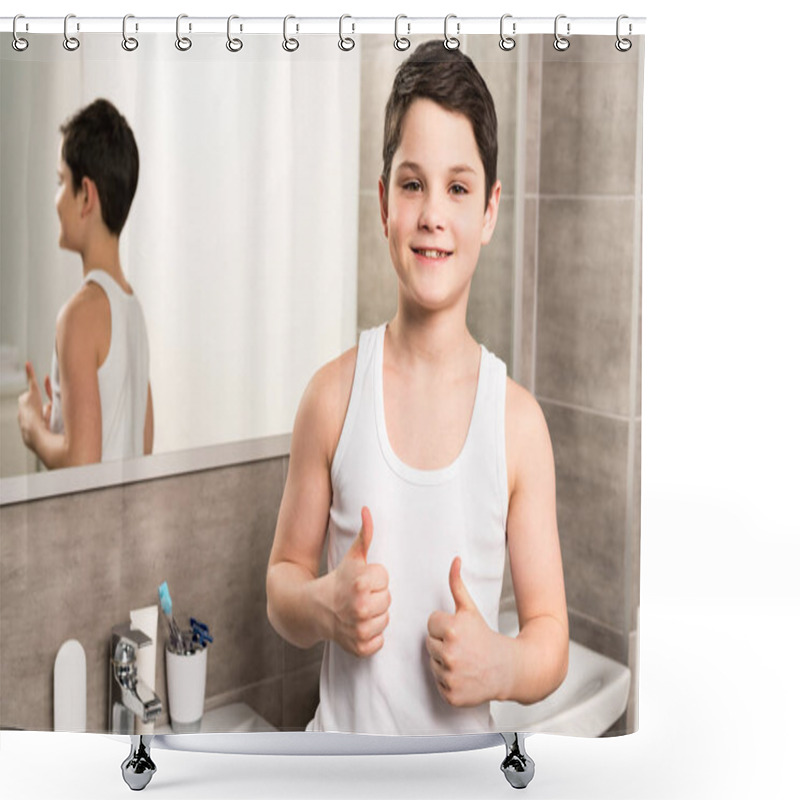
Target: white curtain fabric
242	237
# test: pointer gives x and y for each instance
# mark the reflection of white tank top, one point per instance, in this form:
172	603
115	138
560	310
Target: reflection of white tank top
122	378
422	520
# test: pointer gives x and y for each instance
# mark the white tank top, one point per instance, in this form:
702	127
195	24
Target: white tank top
422	520
122	378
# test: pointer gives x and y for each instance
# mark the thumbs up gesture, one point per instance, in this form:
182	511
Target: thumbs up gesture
361	596
30	412
462	648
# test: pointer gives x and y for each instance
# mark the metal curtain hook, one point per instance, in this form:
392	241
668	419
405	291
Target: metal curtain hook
129	43
233	44
17	42
70	42
345	42
400	42
183	43
560	43
623	45
507	42
290	44
451	42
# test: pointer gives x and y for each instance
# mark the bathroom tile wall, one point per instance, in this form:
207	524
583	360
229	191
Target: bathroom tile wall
583	212
73	567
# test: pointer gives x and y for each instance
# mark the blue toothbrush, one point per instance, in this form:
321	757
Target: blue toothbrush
175	636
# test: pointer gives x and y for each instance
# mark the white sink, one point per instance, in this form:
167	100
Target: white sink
592	697
233	718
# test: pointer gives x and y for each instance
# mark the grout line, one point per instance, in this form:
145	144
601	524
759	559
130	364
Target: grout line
585	409
519	208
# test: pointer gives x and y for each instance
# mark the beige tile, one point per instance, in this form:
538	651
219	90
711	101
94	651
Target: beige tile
591	455
490	314
66	590
590	110
300	697
377	280
584	324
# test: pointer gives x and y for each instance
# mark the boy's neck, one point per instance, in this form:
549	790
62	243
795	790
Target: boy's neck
434	339
102	253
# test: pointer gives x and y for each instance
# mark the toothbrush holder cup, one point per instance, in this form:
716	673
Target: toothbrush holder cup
186	689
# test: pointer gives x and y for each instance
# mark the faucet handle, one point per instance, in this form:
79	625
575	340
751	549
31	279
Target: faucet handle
134	636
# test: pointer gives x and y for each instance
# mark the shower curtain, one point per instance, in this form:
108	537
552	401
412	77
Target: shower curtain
238	181
255	246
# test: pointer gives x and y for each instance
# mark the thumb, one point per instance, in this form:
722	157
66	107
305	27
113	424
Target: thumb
464	601
29	371
360	546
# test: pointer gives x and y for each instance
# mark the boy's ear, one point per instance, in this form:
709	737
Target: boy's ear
384	204
90	197
490	215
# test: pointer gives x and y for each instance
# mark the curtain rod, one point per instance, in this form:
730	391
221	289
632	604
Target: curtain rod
347	25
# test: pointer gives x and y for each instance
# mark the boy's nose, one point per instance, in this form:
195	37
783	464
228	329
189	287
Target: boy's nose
431	215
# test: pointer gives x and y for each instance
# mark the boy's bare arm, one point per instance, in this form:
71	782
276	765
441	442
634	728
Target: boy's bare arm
542	646
80	329
350	604
472	663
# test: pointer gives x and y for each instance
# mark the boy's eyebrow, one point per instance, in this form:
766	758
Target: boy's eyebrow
456	169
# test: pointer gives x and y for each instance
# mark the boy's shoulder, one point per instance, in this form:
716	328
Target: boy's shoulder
86	310
324	404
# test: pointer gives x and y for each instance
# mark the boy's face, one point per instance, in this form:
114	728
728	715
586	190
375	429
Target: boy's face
434	211
68	208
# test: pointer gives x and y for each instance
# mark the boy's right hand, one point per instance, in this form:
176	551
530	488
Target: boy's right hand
361	596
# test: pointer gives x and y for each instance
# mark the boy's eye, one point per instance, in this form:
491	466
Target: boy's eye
458	188
412	186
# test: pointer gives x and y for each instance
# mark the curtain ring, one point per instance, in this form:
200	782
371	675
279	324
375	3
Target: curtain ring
183	43
623	45
507	42
129	43
345	42
70	42
233	44
289	44
400	42
451	42
17	42
560	43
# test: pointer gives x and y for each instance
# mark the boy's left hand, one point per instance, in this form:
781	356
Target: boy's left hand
464	651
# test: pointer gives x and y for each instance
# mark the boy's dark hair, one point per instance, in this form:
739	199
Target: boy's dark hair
99	144
450	79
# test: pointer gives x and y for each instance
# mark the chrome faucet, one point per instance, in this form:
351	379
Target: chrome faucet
128	697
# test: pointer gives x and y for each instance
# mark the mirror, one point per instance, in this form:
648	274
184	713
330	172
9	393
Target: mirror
241	242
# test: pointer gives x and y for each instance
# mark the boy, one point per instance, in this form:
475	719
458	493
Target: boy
420	459
100	405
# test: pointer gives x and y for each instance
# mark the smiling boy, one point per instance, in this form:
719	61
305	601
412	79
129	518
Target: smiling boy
421	460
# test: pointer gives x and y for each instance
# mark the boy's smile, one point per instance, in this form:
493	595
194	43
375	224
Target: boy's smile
434	212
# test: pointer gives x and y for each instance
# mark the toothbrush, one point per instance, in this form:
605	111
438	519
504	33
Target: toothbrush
175	636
